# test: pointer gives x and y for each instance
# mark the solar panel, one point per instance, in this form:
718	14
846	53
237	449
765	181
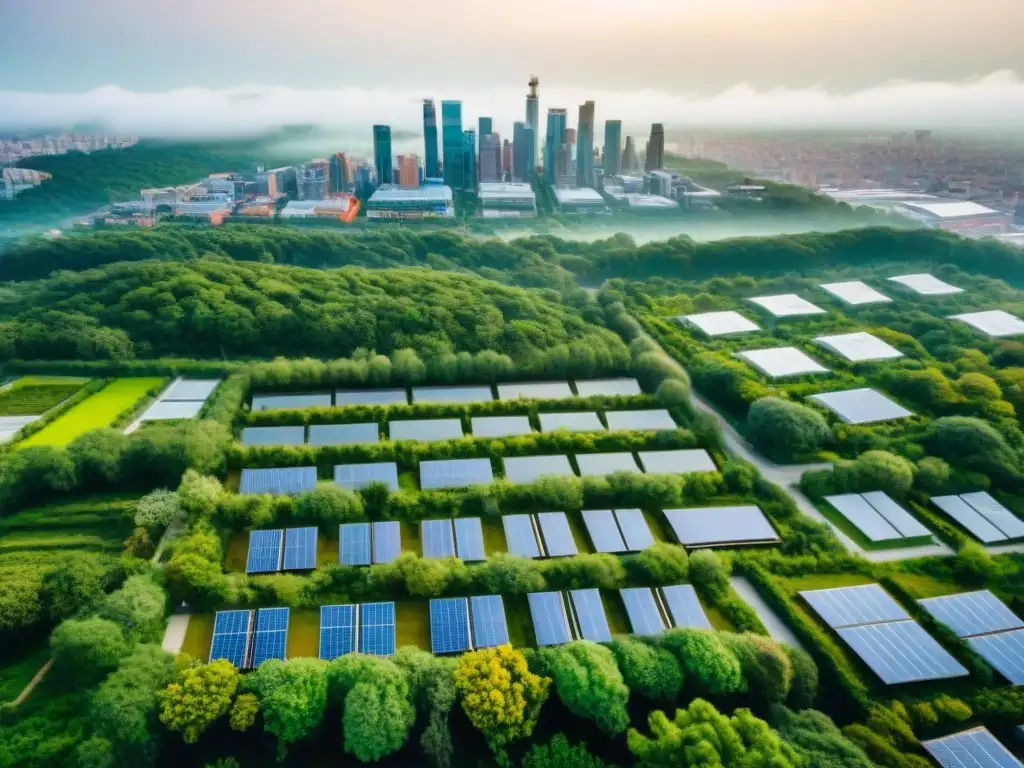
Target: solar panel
555	532
377	629
426	430
280	480
469	539
779	362
861	406
299	549
976	748
231	637
520	535
603	530
656	419
854	508
354	544
617	387
264	551
438	539
642	609
530	469
969	518
635	531
344	397
343	434
356	476
684	608
720	323
990	509
168	410
677	462
995	323
449	625
580	421
901	652
271	639
452	395
855	292
500	426
850	606
896	515
859	347
1004	651
600	464
387	541
589	609
787	305
337	631
721	526
455	473
972	613
489	626
535	390
273	436
191	389
550	624
926	285
298	400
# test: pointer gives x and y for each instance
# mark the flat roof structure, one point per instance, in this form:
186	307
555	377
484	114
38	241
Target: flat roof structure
430	201
469	394
780	362
674	462
656	419
535	390
500	426
273	435
926	285
615	387
951	209
600	464
579	200
720	323
455	473
855	293
425	430
995	323
861	406
721	526
523	470
574	421
343	434
787	305
356	476
507	196
859	347
295	400
344	397
190	389
167	410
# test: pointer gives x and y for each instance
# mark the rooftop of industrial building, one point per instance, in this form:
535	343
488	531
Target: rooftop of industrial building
636	200
438	193
496	190
577	195
872	195
951	209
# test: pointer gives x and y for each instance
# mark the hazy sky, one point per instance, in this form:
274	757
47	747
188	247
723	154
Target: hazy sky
390	51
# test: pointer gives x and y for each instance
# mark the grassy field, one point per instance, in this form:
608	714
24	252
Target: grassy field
35	395
94	412
198	636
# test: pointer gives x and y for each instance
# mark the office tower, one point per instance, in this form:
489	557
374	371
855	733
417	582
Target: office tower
469	159
433	169
453	144
506	159
313	180
533	120
585	146
553	140
629	156
341	173
490	157
523	144
485	127
612	153
382	153
655	158
408	171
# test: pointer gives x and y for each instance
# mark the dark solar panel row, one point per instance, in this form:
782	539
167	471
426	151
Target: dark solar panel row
278	480
247	643
546	534
367	628
293	549
363	543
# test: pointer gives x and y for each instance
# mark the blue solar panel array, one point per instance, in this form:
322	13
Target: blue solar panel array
972	613
273	436
356	476
550	624
264	551
469	539
299	549
1004	651
635	531
449	625
684	607
520	536
354	544
489	626
387	541
438	539
590	616
281	480
231	637
377	629
271	639
603	530
558	540
337	631
901	652
976	748
641	607
849	606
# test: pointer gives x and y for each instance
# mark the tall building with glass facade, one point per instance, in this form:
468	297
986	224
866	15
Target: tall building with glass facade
382	153
553	141
469	159
490	157
432	167
485	126
453	143
612	152
629	161
523	151
655	158
533	120
585	146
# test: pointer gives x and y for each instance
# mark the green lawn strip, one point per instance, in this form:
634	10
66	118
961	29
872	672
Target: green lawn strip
100	410
718	619
615	610
412	623
494	536
304	633
922	585
36	395
198	636
519	621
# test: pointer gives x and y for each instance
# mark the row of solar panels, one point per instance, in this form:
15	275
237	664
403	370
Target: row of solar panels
460	624
184	399
293	549
426	430
983	516
535	390
247	643
454	473
363	543
974	748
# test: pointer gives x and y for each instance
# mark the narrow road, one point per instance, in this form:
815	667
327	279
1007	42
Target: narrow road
174	636
777	628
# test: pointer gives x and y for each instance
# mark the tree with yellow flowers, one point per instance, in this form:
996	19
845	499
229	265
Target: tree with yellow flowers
499	694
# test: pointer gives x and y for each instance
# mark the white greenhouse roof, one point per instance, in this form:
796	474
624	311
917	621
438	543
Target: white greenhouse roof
787	305
859	347
926	284
861	406
720	323
854	292
952	210
996	322
781	361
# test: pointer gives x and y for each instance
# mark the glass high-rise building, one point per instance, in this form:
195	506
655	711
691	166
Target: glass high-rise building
433	168
453	143
523	150
585	146
382	153
485	126
553	141
655	158
469	159
612	152
533	119
629	160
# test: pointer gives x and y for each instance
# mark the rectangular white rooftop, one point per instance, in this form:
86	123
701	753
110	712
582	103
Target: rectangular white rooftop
616	387
468	394
654	419
957	209
535	390
579	421
779	362
721	526
861	406
529	469
787	305
599	464
859	347
854	292
995	323
926	285
677	461
720	323
575	195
